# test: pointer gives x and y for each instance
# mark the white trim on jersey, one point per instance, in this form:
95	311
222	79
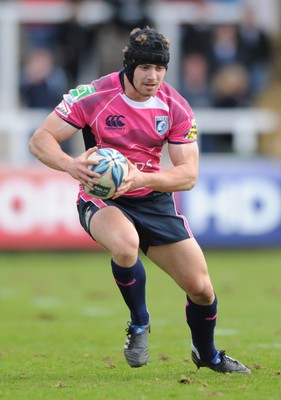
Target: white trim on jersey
152	102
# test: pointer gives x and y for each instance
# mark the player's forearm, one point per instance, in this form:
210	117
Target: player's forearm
46	149
176	179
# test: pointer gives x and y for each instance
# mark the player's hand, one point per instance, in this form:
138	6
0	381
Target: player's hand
78	168
134	180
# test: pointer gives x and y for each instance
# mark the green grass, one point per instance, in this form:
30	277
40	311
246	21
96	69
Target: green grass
63	329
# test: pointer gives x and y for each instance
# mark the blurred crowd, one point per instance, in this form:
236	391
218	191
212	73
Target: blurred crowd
221	66
224	66
237	55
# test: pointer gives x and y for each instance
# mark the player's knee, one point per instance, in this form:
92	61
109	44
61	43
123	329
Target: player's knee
201	292
125	250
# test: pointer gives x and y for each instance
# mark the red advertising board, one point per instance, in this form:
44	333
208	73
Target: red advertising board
234	204
38	211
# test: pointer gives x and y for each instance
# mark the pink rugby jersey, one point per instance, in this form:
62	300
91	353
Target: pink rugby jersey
108	118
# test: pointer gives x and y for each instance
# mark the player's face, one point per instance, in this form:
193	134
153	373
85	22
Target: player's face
147	79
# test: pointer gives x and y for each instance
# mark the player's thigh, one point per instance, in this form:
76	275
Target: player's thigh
113	230
184	261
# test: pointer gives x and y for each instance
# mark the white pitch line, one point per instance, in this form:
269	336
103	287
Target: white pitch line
47	302
267	345
94	312
226	332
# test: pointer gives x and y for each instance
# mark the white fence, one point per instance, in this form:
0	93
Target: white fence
245	125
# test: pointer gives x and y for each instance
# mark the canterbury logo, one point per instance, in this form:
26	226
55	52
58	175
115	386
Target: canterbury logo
114	121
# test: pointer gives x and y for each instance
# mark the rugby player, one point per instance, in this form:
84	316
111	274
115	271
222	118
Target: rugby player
136	112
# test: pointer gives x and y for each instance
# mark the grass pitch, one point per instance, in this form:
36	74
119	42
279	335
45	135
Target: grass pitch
63	328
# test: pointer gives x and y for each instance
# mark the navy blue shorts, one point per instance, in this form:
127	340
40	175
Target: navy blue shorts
154	216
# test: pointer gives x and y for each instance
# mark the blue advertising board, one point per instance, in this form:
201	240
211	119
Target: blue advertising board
236	203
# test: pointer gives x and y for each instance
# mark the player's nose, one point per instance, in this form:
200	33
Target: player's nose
152	74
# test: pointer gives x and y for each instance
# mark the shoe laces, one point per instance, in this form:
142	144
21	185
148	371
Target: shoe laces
225	358
130	335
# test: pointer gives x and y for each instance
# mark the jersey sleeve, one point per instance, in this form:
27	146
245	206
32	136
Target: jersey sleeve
183	128
70	108
184	133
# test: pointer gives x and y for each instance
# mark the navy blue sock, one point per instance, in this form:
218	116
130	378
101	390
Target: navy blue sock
131	282
202	322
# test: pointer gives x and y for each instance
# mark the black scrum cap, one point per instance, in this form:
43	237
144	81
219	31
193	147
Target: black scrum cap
146	46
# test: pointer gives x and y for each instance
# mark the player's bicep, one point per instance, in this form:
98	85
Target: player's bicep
57	127
184	154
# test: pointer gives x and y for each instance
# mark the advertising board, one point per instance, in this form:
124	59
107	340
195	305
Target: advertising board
236	203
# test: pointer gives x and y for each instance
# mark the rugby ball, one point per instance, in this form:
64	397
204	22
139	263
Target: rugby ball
112	167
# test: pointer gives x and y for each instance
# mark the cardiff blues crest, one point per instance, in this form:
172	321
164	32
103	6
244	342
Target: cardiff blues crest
161	124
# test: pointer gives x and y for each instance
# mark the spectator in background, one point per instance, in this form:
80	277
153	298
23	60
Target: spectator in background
196	38
226	80
195	87
247	45
224	47
230	86
75	44
195	80
230	89
42	81
256	51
